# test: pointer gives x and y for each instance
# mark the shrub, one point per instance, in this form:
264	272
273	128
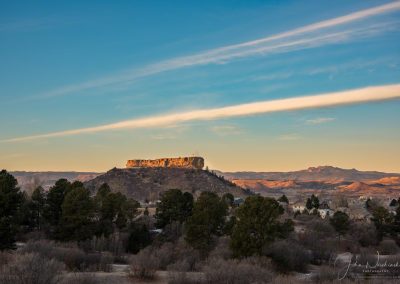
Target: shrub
170	253
165	254
144	265
177	273
74	258
115	243
322	250
31	268
364	233
179	266
5	258
289	256
388	247
236	272
321	228
222	249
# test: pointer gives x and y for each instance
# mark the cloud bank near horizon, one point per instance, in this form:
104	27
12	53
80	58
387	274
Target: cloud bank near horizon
362	95
308	36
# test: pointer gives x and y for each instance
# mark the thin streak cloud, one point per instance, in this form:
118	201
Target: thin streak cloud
296	39
320	120
363	95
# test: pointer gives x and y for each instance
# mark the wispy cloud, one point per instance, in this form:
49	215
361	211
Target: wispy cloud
320	120
369	94
300	38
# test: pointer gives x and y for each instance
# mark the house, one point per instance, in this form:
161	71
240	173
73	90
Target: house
325	213
324	205
238	201
298	207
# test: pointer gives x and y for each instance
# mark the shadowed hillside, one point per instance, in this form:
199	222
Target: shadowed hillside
148	183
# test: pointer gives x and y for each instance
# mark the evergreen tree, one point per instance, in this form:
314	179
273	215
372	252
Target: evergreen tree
77	215
383	221
341	222
139	238
31	213
207	220
314	201
54	200
174	206
228	198
106	209
258	226
113	209
284	199
38	200
309	204
394	203
11	200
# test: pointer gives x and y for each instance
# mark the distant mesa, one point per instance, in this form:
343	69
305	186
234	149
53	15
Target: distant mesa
184	163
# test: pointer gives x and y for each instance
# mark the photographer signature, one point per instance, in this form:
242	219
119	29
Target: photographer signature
345	262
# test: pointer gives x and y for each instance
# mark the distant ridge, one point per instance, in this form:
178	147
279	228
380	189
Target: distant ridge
48	178
322	177
321	173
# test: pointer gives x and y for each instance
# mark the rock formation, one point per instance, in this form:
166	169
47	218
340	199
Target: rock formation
185	163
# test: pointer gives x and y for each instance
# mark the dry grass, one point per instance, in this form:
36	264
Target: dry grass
31	268
236	272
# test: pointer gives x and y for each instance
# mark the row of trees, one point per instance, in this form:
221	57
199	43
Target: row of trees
67	212
252	226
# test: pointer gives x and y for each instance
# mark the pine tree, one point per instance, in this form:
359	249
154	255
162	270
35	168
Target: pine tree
258	225
207	220
284	199
174	206
11	200
77	215
309	204
340	221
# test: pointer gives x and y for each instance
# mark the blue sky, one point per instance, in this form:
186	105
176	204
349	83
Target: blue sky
72	65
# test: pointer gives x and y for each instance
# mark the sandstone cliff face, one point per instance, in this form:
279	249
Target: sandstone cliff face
185	163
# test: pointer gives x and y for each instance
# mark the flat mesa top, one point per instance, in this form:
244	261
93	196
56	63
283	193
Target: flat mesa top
181	162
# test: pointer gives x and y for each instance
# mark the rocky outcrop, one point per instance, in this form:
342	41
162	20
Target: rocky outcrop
185	163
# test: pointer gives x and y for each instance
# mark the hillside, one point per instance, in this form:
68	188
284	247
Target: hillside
148	183
262	184
314	178
322	173
387	181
